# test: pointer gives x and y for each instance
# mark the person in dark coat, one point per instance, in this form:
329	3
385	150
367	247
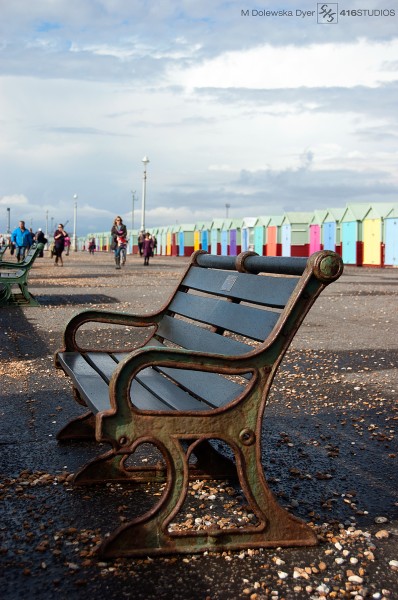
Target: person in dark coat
59	244
147	248
40	239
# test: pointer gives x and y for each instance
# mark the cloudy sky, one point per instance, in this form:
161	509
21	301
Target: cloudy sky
267	114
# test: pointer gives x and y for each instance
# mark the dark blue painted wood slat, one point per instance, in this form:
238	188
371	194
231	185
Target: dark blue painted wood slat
265	291
154	384
253	323
94	389
212	388
191	336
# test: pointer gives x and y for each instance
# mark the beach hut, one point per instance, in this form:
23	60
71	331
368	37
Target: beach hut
351	233
185	239
201	236
391	238
248	233
226	226
331	230
373	230
162	240
235	237
274	236
315	230
295	234
215	236
260	235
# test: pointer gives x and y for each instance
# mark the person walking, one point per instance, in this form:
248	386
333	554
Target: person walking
59	244
22	240
40	239
91	246
141	239
147	248
119	237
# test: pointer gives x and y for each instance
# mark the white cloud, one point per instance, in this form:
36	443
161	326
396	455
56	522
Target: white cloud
272	67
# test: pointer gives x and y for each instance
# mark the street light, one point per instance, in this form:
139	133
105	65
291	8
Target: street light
145	160
227	207
9	220
74	239
46	223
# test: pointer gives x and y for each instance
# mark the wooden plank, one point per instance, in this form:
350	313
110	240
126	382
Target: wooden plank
254	323
263	290
188	335
94	389
212	388
152	386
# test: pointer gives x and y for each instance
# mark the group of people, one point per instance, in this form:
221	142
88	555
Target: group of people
146	243
22	238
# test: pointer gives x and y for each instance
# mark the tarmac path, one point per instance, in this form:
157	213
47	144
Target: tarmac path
329	442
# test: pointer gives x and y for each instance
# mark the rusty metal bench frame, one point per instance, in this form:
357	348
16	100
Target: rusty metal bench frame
14	274
263	298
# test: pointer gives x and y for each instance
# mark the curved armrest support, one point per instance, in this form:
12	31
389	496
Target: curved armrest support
102	316
178	358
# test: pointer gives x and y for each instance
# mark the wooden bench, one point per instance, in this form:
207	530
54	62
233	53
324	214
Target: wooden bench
14	274
203	374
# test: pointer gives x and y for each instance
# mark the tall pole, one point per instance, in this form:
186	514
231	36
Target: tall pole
46	223
145	160
227	207
74	240
132	210
8	220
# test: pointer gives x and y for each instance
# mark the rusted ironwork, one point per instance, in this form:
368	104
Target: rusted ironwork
178	434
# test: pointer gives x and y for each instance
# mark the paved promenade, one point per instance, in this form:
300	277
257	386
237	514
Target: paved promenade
329	451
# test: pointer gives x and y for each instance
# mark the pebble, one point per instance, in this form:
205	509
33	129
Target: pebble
393	563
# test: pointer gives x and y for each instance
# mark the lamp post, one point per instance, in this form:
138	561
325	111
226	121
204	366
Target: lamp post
227	207
132	210
46	223
145	160
74	240
8	220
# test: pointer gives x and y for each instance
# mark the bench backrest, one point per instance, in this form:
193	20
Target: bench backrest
230	305
30	257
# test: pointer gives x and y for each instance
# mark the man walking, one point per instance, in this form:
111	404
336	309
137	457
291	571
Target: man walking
22	238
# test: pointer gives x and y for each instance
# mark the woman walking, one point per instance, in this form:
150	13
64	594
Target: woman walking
59	244
119	238
147	248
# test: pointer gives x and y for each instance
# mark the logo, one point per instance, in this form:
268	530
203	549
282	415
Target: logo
328	13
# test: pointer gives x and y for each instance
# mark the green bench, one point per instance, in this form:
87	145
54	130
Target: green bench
2	252
15	275
202	375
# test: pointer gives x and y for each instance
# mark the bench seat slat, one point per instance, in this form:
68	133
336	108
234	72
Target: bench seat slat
263	290
154	382
205	386
254	323
212	388
95	390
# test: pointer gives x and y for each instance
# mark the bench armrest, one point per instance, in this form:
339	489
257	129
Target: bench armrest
176	358
102	316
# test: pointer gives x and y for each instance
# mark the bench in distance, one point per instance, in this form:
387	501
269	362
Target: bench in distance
14	274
